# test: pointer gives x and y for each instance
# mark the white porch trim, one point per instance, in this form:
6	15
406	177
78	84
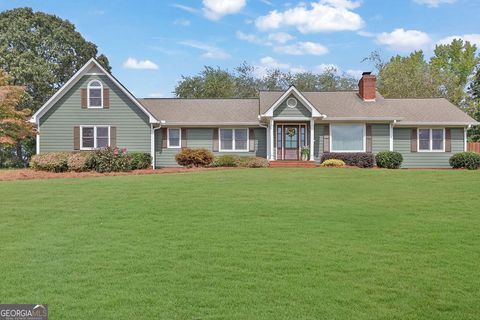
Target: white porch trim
312	140
272	137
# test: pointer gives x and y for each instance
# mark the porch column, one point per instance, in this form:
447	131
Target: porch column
312	140
271	140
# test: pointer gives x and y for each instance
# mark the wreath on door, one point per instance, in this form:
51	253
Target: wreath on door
291	132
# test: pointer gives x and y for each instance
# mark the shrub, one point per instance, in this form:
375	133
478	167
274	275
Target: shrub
51	161
109	160
78	161
252	162
194	157
333	163
225	161
140	160
389	159
466	160
356	159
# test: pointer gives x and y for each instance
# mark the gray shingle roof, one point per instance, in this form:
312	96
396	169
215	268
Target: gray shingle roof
335	105
203	111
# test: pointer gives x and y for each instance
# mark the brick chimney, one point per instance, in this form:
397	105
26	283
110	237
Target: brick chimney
367	86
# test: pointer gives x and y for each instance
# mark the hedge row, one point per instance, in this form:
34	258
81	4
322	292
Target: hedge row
101	160
354	159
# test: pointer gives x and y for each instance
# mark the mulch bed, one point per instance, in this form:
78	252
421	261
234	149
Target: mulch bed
29	174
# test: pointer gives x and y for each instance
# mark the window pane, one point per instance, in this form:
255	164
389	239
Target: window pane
241	139
95	97
102	142
279	137
437	134
424	144
424	134
174	137
437	144
87	137
291	137
347	138
226	139
102	132
95	84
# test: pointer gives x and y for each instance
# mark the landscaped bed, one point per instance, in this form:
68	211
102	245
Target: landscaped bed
245	244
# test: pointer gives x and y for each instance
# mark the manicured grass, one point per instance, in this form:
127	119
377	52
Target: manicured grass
245	244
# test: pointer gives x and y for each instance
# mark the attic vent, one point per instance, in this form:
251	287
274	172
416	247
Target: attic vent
292	102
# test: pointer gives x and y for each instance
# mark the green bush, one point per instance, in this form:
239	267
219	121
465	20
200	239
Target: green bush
252	162
140	160
465	160
225	161
389	159
333	163
109	160
194	157
78	161
51	161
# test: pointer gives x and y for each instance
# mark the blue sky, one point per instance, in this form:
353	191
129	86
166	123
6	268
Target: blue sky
150	44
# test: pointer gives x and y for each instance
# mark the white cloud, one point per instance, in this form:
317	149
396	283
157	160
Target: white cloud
210	52
280	37
353	73
249	38
216	9
434	3
132	63
321	16
302	48
326	66
182	22
404	40
268	63
272	63
473	38
185	8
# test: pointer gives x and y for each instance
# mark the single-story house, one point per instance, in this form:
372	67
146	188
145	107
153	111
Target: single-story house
93	110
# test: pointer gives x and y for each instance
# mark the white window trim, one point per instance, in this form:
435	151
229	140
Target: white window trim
348	124
430	144
101	94
94	136
179	138
234	147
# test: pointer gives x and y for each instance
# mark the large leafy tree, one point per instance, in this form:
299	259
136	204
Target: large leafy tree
473	105
453	65
42	51
244	83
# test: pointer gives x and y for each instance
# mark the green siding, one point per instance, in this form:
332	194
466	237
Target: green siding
56	125
401	143
318	143
300	111
380	137
203	138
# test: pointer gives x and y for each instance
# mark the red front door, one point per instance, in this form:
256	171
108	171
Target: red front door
290	136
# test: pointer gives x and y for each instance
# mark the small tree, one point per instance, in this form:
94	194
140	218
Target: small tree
14	125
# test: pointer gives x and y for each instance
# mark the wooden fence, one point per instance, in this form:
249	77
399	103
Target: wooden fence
473	146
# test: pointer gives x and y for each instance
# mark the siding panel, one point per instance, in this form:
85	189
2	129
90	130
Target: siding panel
401	143
56	126
203	138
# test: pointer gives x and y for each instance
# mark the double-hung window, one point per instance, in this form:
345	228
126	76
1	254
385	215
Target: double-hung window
174	138
233	139
347	137
431	139
95	94
93	137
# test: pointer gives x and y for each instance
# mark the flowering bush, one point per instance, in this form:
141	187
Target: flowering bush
333	163
109	160
194	157
51	161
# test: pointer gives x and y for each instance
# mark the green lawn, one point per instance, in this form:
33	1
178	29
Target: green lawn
245	244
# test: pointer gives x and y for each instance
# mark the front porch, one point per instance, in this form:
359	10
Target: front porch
291	142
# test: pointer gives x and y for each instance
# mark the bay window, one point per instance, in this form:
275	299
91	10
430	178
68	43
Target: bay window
233	139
